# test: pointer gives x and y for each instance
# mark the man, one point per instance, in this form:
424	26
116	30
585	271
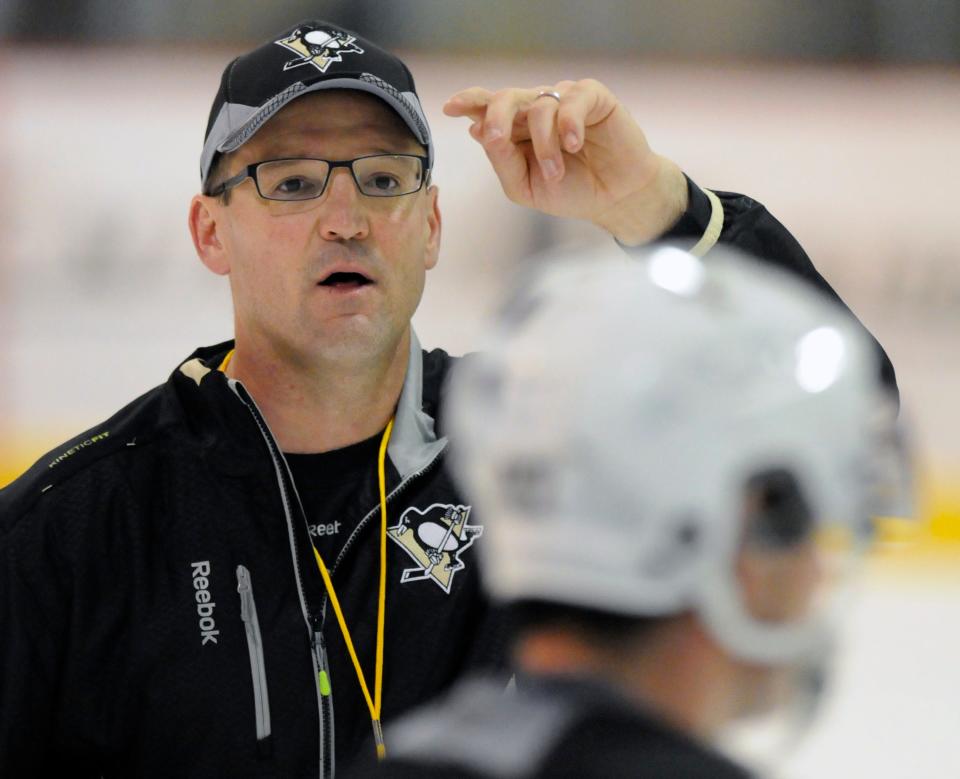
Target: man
667	469
253	566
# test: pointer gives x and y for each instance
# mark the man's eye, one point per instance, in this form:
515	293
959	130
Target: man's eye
294	185
382	182
291	187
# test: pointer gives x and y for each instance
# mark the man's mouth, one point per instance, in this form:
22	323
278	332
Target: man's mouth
341	280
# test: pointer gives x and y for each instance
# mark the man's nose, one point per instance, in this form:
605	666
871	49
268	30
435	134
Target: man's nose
342	215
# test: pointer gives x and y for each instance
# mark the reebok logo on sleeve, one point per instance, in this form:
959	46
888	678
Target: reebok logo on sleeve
205	606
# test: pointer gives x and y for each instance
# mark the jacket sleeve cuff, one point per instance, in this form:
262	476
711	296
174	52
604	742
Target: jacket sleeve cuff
701	224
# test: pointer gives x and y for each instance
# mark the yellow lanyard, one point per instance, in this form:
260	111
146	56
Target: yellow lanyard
374	705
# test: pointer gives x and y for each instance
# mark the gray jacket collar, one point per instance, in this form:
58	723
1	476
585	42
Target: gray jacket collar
414	443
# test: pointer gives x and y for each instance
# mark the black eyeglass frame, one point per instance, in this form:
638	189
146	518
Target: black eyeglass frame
251	172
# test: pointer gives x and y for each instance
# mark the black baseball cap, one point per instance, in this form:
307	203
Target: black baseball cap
308	57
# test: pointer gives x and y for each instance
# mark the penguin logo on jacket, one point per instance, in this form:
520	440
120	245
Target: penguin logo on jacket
435	538
318	48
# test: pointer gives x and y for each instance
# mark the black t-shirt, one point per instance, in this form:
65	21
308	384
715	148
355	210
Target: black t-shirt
337	489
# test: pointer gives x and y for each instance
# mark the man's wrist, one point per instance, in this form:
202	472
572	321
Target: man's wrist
653	211
699	227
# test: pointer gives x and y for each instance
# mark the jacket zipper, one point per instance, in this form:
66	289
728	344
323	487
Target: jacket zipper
321	667
324	707
258	671
326	689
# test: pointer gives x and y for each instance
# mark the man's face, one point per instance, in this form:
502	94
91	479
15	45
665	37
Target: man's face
280	260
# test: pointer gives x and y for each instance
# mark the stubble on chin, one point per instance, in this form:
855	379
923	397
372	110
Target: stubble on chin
353	342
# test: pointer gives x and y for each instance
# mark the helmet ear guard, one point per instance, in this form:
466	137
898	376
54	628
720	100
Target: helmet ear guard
777	515
740	597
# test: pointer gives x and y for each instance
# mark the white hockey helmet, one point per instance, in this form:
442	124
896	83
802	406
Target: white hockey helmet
609	430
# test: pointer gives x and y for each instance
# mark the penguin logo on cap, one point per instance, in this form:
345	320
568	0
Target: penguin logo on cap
318	48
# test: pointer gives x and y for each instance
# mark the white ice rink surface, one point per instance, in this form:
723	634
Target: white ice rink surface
893	710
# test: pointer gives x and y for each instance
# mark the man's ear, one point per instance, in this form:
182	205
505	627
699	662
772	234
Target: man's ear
434	223
203	229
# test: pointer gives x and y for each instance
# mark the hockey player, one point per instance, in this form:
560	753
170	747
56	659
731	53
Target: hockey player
675	460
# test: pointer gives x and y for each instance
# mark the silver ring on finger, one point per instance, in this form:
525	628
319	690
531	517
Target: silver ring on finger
548	93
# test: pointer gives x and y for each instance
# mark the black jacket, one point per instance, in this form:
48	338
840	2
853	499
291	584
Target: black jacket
549	728
162	614
129	650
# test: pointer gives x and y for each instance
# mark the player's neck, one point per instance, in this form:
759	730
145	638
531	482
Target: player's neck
672	672
326	405
684	678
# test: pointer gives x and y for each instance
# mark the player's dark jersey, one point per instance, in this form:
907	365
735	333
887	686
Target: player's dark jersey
547	728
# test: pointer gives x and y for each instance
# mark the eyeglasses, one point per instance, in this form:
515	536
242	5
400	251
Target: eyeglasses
301	178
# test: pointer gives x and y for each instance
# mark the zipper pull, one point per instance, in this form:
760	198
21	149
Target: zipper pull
323	676
324	682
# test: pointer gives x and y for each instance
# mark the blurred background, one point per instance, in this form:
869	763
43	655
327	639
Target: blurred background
842	118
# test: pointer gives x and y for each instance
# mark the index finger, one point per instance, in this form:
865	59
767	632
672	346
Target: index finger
470	102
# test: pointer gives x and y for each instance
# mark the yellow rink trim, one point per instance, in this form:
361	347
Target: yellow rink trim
943	496
11	467
937	533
